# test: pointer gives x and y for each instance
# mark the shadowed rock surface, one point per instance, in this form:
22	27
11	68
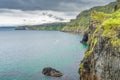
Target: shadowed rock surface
85	38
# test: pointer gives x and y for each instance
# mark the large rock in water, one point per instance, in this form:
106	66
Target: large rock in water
48	71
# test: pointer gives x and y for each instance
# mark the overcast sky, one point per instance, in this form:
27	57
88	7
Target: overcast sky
56	5
32	12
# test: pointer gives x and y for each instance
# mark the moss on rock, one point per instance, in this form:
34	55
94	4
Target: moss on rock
104	47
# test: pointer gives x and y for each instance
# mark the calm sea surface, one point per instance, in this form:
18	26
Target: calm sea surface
23	54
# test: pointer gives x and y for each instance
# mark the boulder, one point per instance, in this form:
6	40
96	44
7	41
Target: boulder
48	71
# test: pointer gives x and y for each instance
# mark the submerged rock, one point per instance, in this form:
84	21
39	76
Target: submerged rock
48	71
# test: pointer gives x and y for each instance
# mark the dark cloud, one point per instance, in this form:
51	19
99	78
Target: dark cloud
57	5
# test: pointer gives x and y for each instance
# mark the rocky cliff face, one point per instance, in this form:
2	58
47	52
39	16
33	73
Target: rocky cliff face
102	59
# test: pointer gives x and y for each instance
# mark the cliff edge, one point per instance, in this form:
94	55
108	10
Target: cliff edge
102	59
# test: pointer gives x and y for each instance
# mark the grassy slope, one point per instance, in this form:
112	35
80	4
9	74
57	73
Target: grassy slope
50	26
82	20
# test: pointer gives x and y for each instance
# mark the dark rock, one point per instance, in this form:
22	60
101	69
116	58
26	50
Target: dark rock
115	8
85	38
118	33
86	66
48	71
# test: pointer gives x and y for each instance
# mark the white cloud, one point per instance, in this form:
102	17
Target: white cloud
13	17
62	10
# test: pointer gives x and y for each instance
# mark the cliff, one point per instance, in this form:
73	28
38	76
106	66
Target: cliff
102	59
82	20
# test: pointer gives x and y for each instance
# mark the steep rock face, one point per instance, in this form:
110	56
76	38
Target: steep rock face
102	59
103	63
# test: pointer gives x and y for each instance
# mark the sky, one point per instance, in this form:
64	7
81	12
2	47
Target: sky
19	12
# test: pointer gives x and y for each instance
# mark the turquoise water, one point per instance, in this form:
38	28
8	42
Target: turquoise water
23	54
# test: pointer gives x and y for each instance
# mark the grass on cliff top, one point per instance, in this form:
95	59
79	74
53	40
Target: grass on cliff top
82	20
109	24
99	16
111	27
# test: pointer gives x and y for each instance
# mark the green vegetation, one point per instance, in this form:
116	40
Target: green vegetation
82	21
50	26
104	35
99	16
81	66
109	27
92	45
